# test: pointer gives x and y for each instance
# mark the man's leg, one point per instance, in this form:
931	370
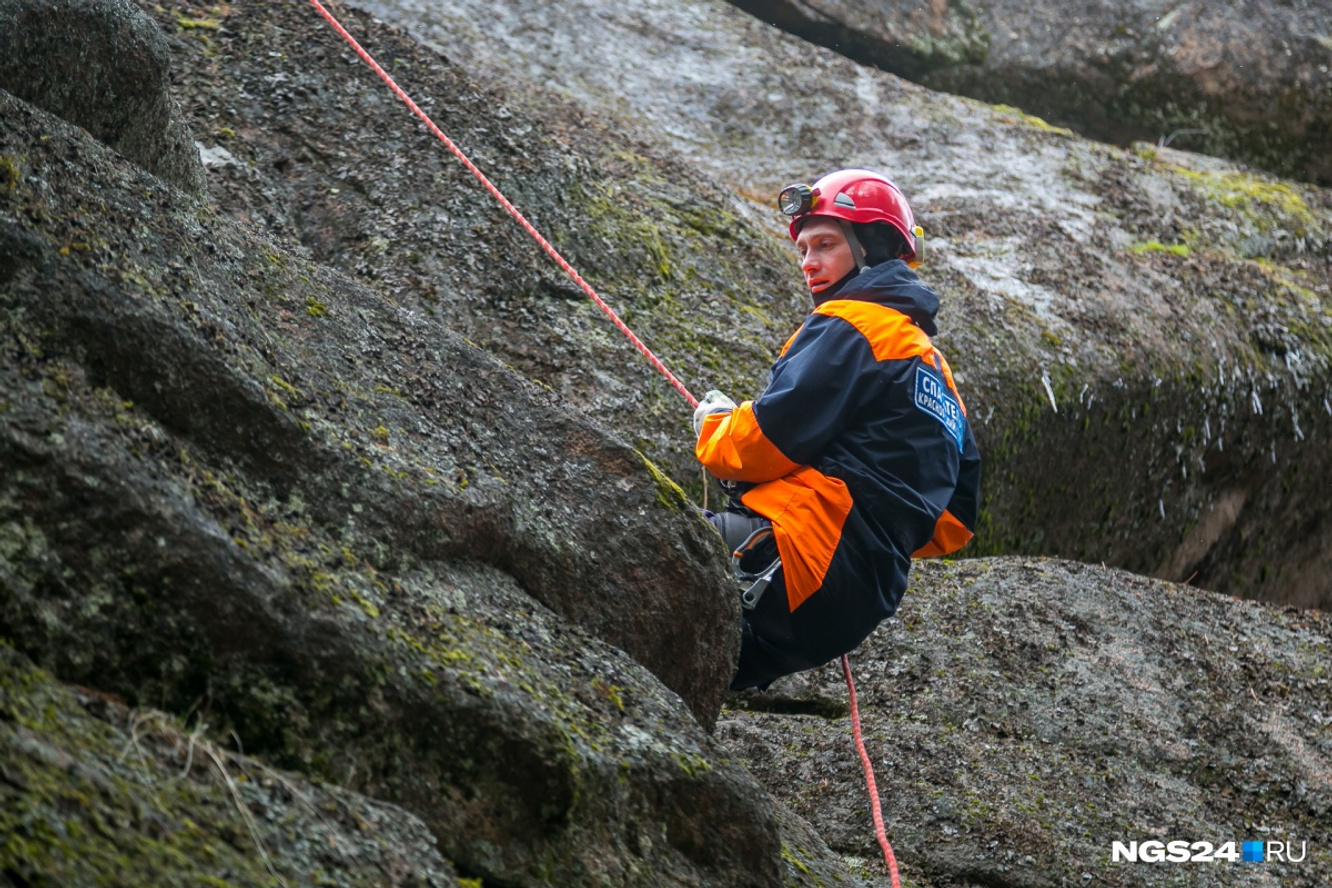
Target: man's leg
768	647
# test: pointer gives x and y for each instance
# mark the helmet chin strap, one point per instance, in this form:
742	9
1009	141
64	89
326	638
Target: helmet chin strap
857	251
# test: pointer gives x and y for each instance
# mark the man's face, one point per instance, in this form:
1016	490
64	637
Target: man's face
825	256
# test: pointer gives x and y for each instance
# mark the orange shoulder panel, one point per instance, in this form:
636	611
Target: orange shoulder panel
950	535
891	334
790	340
733	448
948	376
810	507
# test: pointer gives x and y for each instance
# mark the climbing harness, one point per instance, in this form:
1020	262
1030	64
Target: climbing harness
754	557
749	597
764	578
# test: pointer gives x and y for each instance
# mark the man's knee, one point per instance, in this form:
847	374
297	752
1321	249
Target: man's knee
736	527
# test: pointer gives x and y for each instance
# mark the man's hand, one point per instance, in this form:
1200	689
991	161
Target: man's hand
713	402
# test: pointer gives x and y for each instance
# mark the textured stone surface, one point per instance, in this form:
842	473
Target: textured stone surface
1247	80
102	65
97	793
1024	713
240	484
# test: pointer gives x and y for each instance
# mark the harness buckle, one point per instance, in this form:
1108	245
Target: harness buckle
757	581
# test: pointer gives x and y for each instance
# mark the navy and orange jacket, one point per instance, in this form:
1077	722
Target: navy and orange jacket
859	451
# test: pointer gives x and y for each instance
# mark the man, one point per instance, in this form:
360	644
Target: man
858	455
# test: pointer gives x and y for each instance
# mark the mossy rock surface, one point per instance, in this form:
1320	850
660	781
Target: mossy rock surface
264	465
321	153
102	65
242	486
1023	714
94	792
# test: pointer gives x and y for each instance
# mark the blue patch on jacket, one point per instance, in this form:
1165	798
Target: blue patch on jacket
934	397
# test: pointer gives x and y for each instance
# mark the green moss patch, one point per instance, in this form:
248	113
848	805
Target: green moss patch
1032	120
1265	202
95	793
669	494
9	174
1155	246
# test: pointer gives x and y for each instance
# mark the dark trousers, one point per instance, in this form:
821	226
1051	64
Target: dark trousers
769	647
837	618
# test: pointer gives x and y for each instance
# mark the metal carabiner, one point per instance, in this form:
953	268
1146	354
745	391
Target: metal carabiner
749	597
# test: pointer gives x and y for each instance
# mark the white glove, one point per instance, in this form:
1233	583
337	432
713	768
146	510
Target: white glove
713	402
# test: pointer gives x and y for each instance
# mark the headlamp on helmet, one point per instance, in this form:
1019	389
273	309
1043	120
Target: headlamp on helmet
795	200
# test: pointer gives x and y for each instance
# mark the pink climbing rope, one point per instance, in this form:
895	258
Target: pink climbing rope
504	201
875	809
638	343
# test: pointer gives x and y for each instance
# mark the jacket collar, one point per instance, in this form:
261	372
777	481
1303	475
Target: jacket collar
896	286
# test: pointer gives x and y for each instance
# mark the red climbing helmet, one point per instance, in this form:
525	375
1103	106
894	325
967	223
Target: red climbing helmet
853	196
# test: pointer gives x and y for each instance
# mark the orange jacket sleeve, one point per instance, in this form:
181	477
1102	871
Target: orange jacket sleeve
733	448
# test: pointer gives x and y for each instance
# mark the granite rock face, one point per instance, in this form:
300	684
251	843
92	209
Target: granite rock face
1023	714
102	65
246	488
266	467
1248	81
